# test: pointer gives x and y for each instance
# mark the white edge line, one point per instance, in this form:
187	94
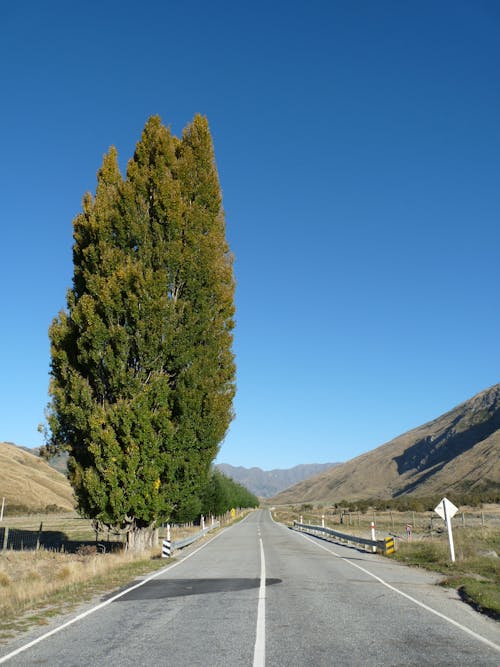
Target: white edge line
259	655
409	597
110	600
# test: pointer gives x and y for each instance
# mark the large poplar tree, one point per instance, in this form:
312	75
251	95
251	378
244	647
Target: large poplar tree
142	373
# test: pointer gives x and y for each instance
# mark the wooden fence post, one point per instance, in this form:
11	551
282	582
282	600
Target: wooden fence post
5	537
39	535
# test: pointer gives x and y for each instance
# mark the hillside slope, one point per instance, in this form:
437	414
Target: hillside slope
459	450
28	481
266	483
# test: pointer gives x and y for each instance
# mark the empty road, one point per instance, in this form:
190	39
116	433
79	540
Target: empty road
261	594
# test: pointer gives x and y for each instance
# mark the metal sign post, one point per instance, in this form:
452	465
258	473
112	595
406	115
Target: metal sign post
446	510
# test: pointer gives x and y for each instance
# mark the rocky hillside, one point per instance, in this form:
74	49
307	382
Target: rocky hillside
29	484
266	483
459	451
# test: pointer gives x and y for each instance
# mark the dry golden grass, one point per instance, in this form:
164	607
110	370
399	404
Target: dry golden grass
423	524
35	584
28	481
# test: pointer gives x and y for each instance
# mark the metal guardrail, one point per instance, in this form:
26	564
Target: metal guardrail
180	544
385	546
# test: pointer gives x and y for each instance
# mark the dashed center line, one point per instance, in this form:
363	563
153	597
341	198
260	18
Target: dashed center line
259	655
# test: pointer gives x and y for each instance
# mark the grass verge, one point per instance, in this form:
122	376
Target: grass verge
36	585
475	572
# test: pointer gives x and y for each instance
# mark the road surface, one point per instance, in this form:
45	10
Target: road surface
261	594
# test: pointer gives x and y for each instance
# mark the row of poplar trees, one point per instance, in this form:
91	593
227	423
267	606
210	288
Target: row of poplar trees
142	369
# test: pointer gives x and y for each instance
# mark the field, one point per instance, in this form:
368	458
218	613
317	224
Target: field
422	541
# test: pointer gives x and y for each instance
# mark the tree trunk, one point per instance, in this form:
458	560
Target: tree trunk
141	539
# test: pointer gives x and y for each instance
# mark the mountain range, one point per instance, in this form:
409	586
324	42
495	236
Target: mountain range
458	451
266	483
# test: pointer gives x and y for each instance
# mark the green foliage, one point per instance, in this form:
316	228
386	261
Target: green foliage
218	495
142	374
222	493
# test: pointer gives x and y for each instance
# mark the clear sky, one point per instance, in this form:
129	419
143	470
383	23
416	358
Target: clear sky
358	147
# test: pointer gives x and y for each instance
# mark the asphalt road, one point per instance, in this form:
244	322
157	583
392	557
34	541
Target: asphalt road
261	594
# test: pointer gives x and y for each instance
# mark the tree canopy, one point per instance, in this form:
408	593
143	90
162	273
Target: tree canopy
142	369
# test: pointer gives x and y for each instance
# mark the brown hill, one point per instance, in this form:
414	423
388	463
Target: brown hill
458	451
28	483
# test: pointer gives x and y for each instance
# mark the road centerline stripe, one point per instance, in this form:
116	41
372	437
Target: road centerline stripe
259	655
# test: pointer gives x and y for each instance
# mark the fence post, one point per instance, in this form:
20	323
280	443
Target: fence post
38	536
5	537
3	507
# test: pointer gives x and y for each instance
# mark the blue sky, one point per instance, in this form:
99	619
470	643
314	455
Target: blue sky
358	147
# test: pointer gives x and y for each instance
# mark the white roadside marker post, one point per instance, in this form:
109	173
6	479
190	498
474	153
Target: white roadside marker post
166	547
446	510
374	548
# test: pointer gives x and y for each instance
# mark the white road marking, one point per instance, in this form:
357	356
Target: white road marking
109	601
408	597
259	654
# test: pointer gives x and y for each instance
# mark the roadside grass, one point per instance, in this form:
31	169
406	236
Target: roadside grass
476	570
475	574
35	585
